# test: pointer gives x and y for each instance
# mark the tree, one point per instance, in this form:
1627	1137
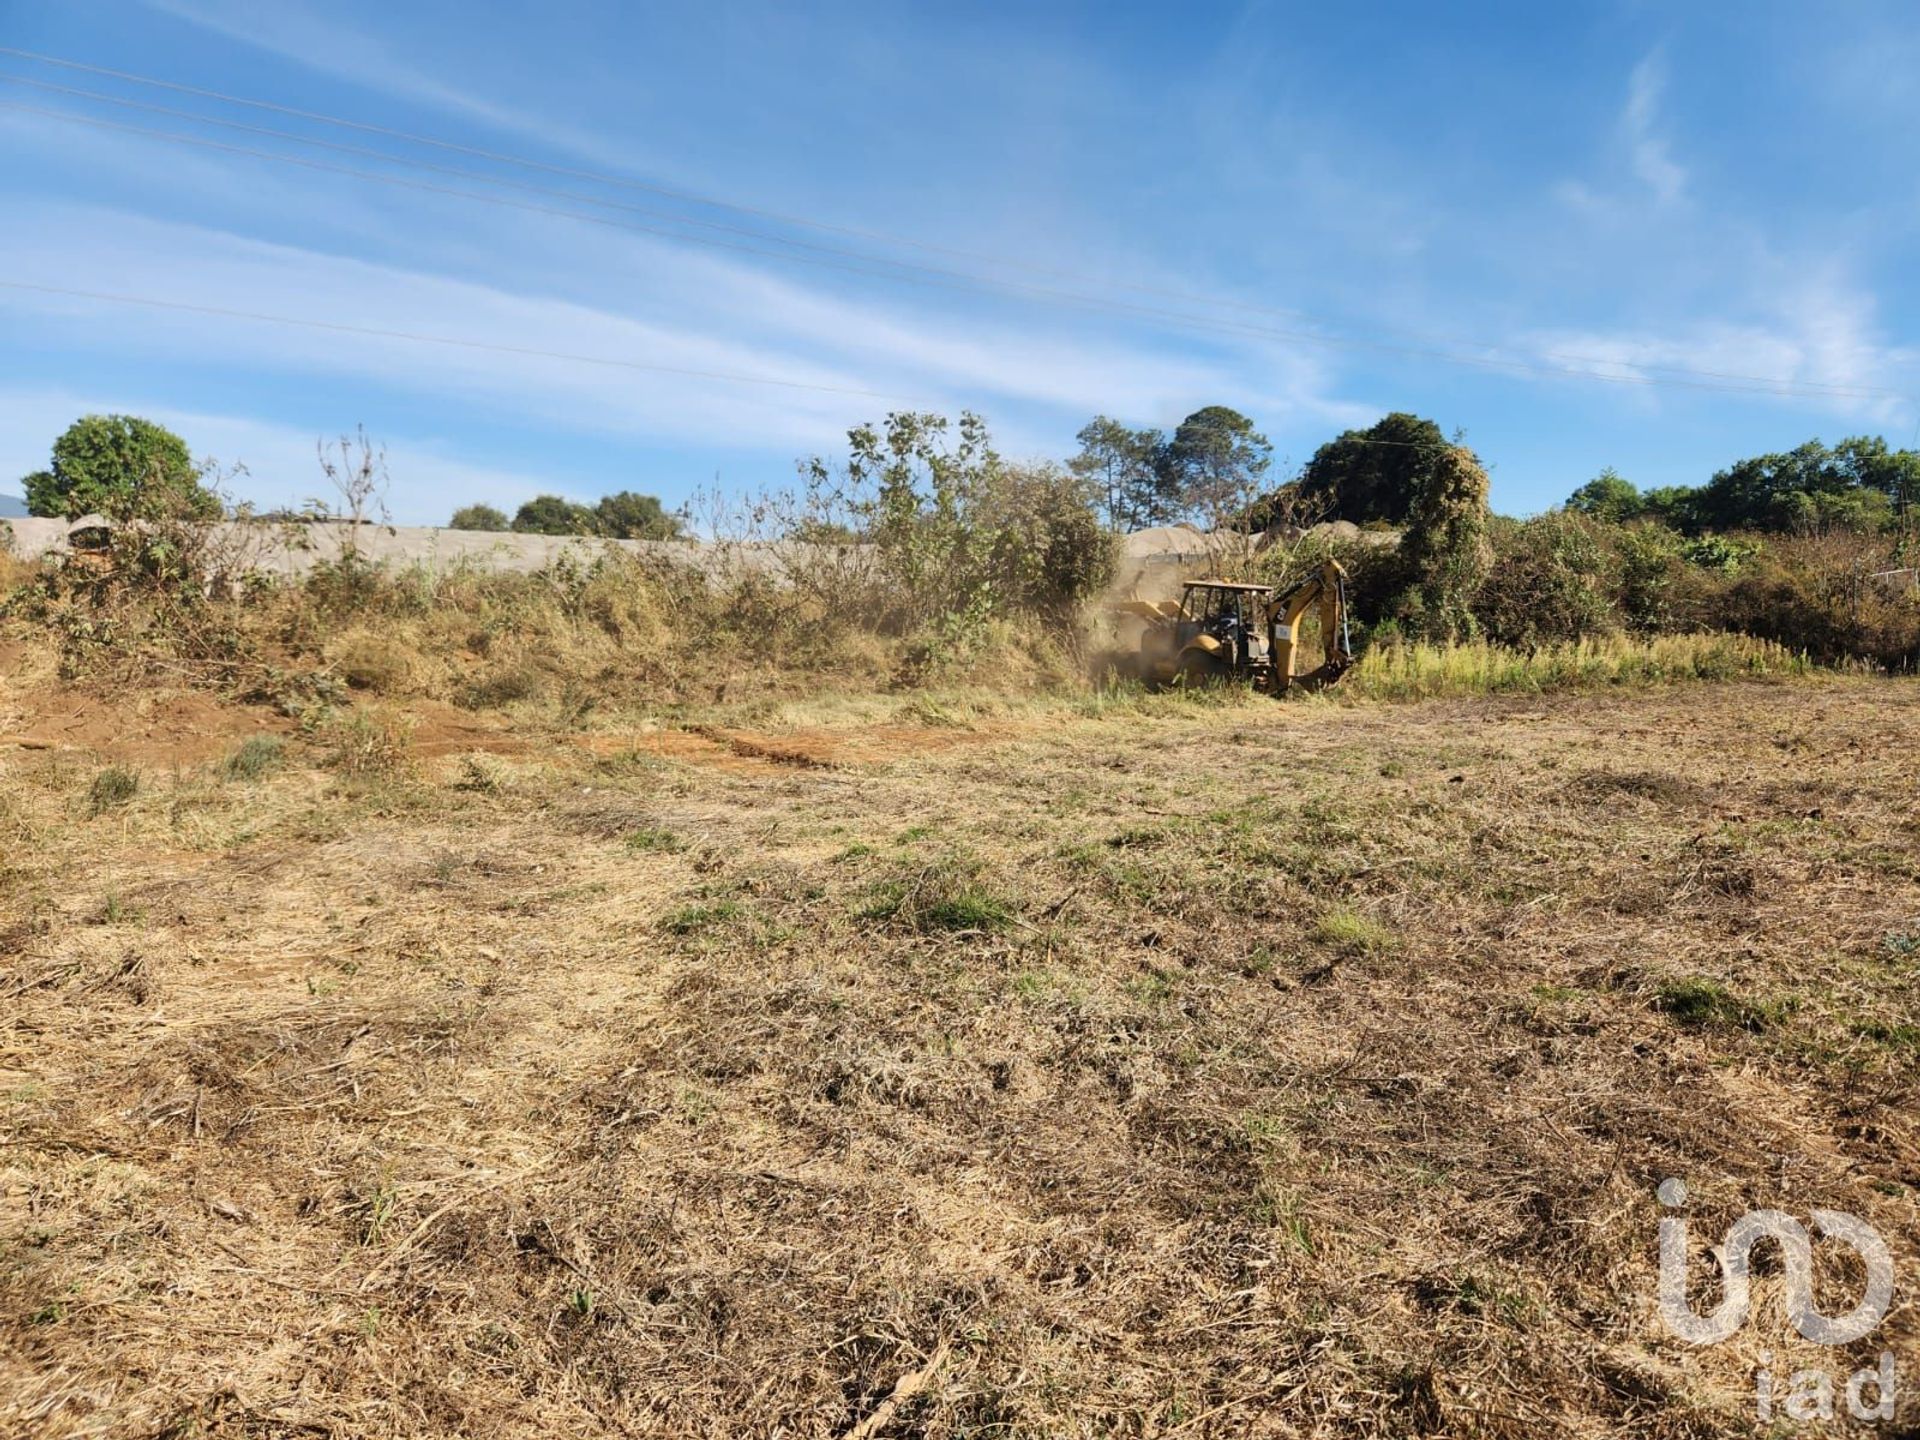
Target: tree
1609	496
1859	484
1121	463
122	467
554	515
631	516
1375	474
1214	462
1671	505
953	534
477	517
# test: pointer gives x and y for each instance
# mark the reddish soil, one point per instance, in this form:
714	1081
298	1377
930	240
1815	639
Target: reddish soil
150	729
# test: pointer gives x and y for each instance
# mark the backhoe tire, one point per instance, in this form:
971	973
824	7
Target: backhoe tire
1199	670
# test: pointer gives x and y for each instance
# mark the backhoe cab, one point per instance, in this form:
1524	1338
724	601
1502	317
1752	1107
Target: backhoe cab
1221	631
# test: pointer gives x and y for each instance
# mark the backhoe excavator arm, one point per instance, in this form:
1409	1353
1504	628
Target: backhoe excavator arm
1284	613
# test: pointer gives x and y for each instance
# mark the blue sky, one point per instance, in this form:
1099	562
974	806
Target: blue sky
1330	211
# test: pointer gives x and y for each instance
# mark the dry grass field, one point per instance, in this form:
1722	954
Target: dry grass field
1149	1067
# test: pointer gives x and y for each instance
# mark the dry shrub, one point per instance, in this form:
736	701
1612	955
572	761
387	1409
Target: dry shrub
368	661
1828	596
366	745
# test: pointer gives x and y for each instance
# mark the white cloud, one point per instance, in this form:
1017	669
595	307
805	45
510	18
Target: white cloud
327	45
1647	149
683	310
1810	332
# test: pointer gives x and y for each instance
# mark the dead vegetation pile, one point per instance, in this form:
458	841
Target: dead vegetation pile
1216	1071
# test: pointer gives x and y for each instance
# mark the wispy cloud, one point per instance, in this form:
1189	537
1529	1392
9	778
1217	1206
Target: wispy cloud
679	310
1648	151
1808	328
330	46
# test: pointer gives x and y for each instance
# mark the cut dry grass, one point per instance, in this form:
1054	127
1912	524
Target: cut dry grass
1183	1068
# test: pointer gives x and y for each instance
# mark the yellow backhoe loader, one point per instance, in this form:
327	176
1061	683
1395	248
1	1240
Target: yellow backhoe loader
1220	630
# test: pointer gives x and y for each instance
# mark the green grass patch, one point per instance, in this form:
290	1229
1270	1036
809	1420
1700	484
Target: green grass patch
1892	1037
948	896
1701	1003
111	788
691	919
257	756
651	840
1349	933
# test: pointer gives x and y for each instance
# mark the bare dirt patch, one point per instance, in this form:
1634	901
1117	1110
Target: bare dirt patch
162	728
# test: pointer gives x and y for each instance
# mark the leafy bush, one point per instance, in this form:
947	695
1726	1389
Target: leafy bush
124	468
477	517
631	516
957	536
1552	578
1838	597
555	515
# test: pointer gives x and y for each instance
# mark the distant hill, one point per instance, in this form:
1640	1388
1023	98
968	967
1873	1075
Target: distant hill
12	505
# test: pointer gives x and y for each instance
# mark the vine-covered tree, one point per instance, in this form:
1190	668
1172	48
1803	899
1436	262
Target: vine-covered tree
1445	554
1375	474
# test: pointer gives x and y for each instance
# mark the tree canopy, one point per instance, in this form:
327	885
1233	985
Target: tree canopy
1609	496
631	516
478	517
1215	461
123	467
1859	484
1211	465
555	515
1375	474
1123	466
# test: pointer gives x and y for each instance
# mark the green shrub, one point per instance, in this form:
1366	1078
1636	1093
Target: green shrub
1552	579
477	517
258	755
122	467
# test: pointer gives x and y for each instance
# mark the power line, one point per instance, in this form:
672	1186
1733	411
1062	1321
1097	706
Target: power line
957	280
368	152
417	338
503	158
1685	377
